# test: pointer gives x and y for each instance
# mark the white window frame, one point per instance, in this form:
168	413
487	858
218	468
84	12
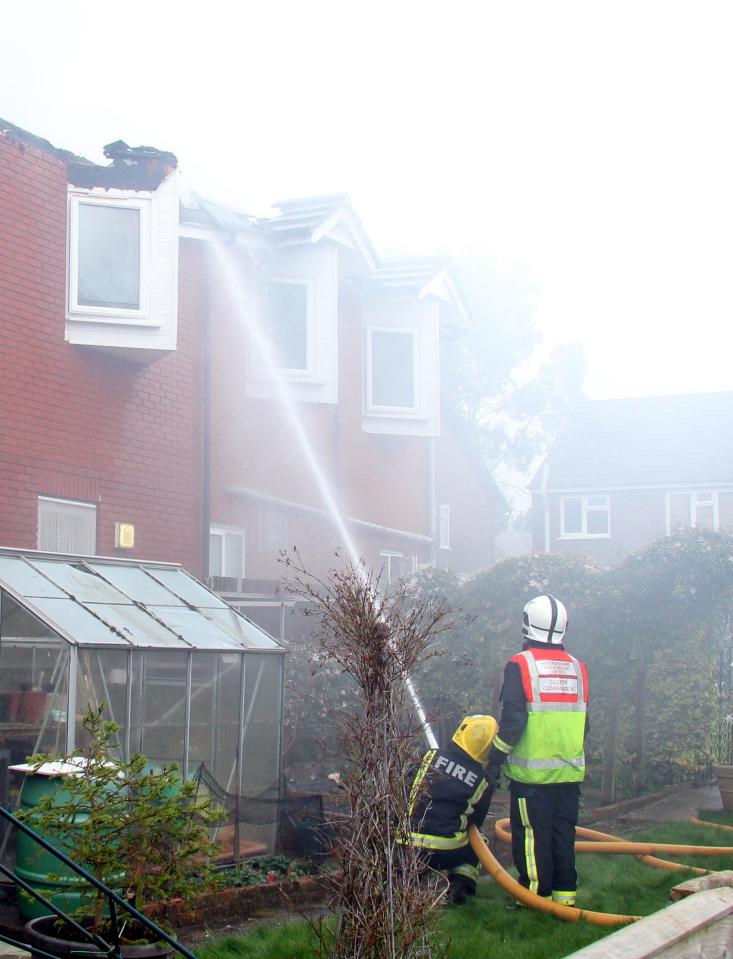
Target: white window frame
585	509
444	527
220	529
79	504
387	555
110	314
295	373
693	501
370	406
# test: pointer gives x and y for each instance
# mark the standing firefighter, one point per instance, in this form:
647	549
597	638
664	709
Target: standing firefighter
541	744
449	793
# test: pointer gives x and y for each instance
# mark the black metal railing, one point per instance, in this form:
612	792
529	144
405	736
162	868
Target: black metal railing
110	947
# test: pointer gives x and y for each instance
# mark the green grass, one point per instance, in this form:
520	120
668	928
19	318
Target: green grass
485	927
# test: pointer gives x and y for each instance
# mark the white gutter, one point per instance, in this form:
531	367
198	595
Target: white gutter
543	494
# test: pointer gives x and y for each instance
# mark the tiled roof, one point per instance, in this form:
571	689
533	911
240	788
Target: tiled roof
657	441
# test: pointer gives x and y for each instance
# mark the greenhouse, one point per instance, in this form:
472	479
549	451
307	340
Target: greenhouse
187	678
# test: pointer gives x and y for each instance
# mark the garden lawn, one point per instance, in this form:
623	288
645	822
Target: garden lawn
485	927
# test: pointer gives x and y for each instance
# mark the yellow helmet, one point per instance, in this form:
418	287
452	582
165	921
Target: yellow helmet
475	736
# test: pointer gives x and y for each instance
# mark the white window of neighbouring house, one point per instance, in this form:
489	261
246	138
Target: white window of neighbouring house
585	516
696	509
289	323
444	533
67	526
396	565
226	551
391	370
109	254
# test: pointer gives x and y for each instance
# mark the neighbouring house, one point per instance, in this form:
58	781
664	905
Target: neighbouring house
626	472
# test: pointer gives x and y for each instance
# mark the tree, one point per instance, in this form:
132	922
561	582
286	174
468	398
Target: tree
385	898
512	391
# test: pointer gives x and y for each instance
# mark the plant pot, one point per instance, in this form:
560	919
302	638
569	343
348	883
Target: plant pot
31	706
43	933
724	774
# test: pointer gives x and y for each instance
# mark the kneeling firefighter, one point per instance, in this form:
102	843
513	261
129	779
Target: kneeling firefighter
449	793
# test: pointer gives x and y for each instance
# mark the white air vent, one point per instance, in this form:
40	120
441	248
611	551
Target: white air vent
65	526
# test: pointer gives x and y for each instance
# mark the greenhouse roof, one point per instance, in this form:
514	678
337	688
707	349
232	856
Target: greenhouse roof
95	601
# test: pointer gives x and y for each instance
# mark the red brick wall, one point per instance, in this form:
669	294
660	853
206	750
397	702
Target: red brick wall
76	423
380	479
474	514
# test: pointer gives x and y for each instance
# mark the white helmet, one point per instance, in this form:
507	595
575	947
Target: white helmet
545	620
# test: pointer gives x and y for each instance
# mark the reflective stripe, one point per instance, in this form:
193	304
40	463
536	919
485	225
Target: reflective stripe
566	898
471	872
530	860
502	746
547	763
436	842
480	790
579	707
579	674
422	772
534	674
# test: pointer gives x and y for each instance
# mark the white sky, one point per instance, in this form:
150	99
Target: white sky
591	141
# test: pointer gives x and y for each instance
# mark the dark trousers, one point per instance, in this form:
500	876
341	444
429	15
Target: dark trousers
461	864
543	822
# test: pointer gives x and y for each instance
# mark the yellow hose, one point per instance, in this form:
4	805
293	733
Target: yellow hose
557	909
601	842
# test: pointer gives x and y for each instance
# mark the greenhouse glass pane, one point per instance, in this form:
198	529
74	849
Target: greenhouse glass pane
135	583
33	685
245	633
195	628
137	626
187	588
83	585
263	689
78	623
19	576
227	703
102	678
203	711
18	623
164	705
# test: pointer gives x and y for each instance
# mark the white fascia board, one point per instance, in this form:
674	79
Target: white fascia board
662	488
359	239
442	287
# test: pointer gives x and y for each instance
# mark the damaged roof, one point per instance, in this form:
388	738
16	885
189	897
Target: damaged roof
654	441
132	168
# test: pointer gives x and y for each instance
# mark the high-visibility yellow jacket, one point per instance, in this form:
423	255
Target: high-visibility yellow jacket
550	747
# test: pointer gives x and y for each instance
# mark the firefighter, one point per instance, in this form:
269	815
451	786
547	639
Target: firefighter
540	746
450	792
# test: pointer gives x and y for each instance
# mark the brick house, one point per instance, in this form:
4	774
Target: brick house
625	472
139	421
101	376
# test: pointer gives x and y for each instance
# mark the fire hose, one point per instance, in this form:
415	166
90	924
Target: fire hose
590	841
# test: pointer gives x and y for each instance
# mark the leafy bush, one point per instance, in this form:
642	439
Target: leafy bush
145	833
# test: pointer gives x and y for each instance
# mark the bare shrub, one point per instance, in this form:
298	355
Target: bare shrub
385	899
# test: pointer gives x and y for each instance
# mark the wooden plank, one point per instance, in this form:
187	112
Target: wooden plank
683	925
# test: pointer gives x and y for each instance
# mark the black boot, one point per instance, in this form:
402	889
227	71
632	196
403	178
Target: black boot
457	891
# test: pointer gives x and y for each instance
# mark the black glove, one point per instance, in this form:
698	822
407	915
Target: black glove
493	776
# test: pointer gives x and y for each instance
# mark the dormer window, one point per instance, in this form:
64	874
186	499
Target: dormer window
289	312
109	258
108	266
391	370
